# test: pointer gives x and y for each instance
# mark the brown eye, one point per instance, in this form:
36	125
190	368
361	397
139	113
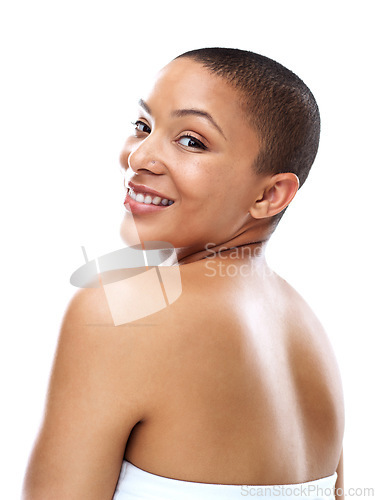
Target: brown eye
191	142
141	127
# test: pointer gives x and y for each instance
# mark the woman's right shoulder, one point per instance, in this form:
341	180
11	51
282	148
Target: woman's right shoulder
155	312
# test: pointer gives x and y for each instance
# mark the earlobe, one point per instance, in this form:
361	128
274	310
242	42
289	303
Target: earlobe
275	196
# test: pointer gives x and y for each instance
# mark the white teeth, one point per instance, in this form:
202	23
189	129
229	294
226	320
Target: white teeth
147	199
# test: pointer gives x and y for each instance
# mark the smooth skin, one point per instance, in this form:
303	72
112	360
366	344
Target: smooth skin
236	381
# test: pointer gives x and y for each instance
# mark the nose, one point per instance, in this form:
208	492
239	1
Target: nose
142	158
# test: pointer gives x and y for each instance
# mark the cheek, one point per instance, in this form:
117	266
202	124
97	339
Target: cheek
201	182
229	195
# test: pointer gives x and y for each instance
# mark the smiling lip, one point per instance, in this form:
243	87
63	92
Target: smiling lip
141	188
137	208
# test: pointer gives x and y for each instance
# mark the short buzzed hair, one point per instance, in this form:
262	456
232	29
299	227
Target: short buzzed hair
277	103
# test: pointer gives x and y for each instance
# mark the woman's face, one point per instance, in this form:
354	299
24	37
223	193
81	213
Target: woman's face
192	144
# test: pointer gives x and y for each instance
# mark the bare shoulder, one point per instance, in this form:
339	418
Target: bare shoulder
123	354
315	368
87	307
100	387
89	320
305	327
307	336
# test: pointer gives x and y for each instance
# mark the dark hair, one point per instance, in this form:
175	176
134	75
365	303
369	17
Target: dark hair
278	104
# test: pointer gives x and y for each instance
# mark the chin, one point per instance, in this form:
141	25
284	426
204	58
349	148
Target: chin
132	233
128	231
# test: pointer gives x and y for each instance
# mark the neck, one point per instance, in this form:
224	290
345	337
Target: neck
252	241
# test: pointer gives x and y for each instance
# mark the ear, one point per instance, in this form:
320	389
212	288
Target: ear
275	196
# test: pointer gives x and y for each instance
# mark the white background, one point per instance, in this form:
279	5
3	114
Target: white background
70	72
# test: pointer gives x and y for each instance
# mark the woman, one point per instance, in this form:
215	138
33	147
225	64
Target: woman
234	384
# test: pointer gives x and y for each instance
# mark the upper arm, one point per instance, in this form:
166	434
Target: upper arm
96	395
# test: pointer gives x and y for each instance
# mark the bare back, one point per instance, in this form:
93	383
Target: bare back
246	388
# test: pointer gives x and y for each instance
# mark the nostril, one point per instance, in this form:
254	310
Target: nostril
147	171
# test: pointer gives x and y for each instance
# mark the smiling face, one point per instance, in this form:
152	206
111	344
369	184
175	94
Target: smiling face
193	145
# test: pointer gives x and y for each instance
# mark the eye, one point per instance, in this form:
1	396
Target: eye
141	127
191	142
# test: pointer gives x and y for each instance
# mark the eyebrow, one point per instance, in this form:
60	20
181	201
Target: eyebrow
145	106
185	112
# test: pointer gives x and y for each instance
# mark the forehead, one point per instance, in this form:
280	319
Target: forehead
185	83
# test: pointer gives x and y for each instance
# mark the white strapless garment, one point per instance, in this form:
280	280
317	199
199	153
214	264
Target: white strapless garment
136	484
